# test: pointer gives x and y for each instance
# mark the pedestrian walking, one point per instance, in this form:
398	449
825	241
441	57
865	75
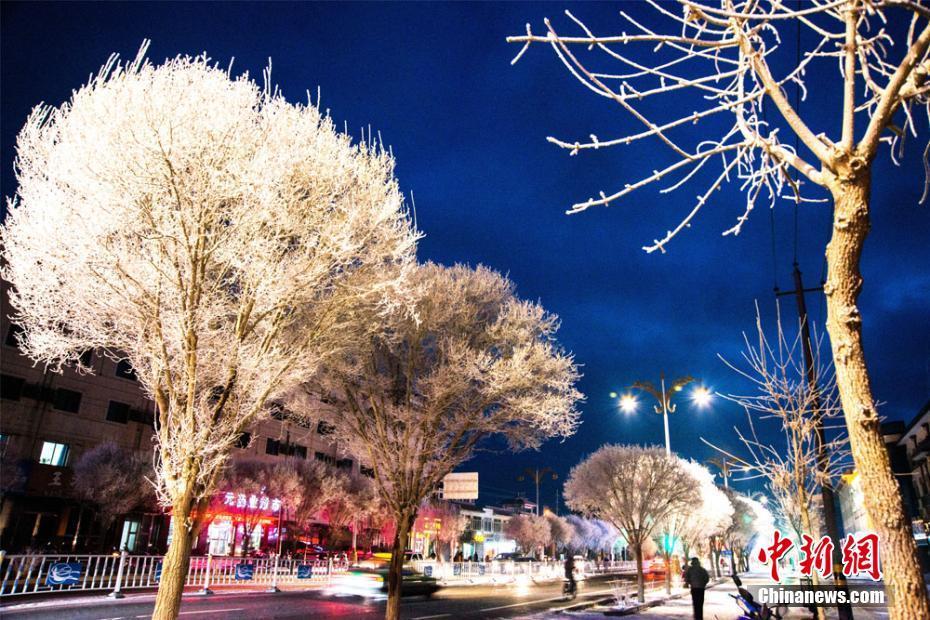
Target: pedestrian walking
696	578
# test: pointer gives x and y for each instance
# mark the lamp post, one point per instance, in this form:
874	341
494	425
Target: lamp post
700	396
724	465
537	475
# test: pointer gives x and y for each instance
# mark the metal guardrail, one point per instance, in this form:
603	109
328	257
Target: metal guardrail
36	574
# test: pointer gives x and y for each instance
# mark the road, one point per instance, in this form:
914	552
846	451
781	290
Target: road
499	601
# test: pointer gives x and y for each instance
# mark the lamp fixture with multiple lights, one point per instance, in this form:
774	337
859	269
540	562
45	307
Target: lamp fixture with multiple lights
700	397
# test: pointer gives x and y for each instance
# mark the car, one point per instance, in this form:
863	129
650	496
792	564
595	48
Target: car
373	582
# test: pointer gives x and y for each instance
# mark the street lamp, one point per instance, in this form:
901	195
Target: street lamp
700	397
537	475
725	466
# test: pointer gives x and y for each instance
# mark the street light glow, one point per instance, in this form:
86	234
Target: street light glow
628	403
701	396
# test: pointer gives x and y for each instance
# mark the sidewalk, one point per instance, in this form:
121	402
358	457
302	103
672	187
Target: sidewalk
718	605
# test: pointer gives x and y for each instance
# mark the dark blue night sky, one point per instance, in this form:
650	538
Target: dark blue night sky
468	131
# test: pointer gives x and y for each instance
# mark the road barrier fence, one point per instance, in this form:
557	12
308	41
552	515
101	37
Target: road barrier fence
115	573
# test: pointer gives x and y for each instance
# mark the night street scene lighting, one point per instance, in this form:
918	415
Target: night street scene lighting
333	310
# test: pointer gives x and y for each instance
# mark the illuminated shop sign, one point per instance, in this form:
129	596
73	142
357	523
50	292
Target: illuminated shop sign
251	502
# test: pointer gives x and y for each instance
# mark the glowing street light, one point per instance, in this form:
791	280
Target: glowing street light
701	397
628	403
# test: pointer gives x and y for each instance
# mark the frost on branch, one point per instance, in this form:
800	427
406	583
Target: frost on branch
793	467
221	239
722	57
634	489
467	361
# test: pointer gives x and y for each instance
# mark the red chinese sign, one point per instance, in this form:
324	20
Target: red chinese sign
860	555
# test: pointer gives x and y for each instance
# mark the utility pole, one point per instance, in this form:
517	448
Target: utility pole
826	487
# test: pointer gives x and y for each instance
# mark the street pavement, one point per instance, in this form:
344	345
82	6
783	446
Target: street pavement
494	601
718	605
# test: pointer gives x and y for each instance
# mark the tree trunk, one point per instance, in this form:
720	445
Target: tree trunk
803	502
882	498
667	556
174	567
640	579
395	572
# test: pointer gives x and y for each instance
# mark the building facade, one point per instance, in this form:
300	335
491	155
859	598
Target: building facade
48	420
908	448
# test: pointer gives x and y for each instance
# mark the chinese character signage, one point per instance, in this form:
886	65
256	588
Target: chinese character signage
251	502
860	555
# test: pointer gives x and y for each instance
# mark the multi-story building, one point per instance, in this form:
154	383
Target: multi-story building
487	528
48	420
915	441
908	448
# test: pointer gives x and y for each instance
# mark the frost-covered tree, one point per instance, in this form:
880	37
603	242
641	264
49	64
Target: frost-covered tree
751	522
724	59
530	532
561	533
217	237
467	360
690	525
812	447
445	523
113	480
632	488
353	501
711	516
302	487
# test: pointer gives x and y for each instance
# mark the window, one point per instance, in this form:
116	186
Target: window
4	442
271	447
130	533
11	335
325	428
244	440
125	370
54	454
497	525
300	451
277	411
476	524
118	412
11	388
87	358
325	458
366	471
344	464
67	400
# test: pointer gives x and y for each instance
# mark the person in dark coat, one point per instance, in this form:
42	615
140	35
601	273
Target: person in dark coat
570	573
696	578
